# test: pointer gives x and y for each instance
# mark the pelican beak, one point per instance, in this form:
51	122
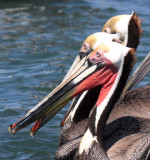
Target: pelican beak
41	122
75	82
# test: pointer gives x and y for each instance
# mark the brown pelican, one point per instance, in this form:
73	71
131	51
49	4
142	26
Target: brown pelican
126	134
74	70
101	68
123	24
25	121
95	39
130	28
112	81
128	106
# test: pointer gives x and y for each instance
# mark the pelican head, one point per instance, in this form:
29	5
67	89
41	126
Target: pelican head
94	40
128	25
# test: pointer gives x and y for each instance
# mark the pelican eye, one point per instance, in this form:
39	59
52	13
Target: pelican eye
97	53
105	30
85	47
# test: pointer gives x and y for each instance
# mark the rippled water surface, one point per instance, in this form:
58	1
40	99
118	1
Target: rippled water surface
38	42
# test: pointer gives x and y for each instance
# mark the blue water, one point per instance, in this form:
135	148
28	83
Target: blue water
38	42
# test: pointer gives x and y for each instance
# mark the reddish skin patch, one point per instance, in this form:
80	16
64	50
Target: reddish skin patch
104	77
63	121
36	126
13	126
97	57
105	89
107	75
33	127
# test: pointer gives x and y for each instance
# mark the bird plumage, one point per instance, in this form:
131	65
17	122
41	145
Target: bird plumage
127	130
128	124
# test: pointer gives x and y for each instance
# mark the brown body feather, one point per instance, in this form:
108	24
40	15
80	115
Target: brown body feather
127	133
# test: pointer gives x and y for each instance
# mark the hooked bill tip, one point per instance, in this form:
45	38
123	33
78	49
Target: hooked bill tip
9	129
12	126
32	134
13	132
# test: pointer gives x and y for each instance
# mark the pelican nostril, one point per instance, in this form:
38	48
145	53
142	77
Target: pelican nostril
93	59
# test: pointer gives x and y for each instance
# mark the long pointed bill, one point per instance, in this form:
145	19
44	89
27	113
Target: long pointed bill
40	122
75	63
59	97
